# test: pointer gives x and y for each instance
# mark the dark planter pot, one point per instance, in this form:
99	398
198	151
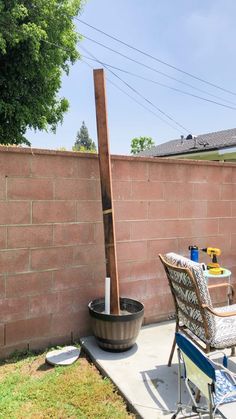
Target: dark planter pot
116	333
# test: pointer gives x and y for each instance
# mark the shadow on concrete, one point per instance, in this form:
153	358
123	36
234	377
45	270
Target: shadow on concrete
109	355
161	383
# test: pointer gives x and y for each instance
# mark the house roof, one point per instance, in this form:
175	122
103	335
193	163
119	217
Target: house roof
200	143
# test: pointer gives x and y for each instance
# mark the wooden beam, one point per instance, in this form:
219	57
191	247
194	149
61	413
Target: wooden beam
106	188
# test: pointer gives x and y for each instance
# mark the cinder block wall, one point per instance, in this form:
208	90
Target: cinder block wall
165	205
51	235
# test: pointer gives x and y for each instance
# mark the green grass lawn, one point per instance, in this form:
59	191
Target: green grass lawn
29	388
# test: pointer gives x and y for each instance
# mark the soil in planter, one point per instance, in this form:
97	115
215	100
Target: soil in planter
122	312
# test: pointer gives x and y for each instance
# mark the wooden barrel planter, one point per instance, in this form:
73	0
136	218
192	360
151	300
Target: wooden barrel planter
116	333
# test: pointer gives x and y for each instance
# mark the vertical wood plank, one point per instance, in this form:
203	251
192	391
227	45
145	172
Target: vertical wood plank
106	187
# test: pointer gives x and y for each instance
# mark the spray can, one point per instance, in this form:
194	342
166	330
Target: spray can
193	253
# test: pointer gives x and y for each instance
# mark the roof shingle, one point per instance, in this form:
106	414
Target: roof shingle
204	142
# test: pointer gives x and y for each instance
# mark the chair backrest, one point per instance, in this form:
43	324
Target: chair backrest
189	290
199	369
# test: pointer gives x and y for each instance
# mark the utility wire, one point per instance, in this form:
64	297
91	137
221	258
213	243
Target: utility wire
150	80
135	100
154	58
145	107
66	49
150	68
138	93
153	69
157	59
169	117
166	85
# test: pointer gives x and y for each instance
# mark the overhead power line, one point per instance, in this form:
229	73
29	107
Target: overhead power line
151	68
154	81
157	59
145	107
66	49
133	89
165	85
138	93
135	100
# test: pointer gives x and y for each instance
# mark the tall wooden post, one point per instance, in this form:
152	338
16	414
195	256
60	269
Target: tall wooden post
106	188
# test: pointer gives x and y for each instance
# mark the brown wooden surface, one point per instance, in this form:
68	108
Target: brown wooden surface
106	187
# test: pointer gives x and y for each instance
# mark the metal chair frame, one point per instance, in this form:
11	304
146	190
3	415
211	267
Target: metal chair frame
203	308
209	378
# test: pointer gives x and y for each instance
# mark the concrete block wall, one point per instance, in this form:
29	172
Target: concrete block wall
51	252
165	205
51	235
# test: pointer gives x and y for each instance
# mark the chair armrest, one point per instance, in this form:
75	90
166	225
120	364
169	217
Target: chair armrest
222	285
217	313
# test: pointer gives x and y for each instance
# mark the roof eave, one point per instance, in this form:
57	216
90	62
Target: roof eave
205	150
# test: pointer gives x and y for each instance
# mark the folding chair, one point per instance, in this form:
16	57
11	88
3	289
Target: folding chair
201	374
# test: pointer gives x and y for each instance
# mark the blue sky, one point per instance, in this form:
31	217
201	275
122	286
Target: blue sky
196	36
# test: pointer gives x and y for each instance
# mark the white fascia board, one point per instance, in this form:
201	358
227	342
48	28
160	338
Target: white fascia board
227	150
196	154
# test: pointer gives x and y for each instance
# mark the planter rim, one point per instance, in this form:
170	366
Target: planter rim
116	317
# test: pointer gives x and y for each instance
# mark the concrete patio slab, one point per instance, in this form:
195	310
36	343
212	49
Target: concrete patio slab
141	374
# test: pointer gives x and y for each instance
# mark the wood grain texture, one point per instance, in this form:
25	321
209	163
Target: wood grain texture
106	187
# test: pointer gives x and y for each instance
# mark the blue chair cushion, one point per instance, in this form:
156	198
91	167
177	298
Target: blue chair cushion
223	386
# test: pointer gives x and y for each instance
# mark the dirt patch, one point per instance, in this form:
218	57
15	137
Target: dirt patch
36	367
6	369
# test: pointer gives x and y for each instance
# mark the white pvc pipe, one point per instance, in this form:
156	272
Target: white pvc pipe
107	295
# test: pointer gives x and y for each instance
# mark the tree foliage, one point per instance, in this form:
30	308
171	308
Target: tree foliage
141	143
31	64
83	142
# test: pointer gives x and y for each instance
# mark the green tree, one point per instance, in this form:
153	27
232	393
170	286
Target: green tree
32	64
83	142
140	144
61	148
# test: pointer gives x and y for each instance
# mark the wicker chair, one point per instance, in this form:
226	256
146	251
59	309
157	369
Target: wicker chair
209	328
